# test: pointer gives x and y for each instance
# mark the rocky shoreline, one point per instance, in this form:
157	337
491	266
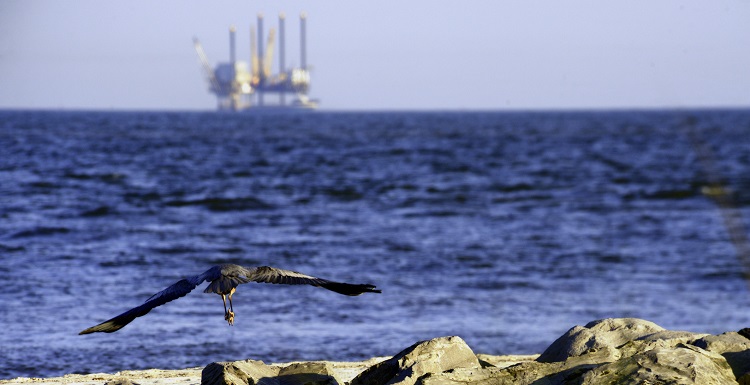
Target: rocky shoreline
609	351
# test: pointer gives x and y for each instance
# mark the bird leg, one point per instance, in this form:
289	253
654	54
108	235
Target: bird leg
228	314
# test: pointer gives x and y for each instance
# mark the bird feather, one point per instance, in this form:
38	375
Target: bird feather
224	278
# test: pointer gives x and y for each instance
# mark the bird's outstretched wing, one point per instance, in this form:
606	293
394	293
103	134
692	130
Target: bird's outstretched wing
180	289
267	274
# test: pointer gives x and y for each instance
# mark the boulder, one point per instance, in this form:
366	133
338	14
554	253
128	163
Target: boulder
251	372
734	347
620	351
308	373
523	373
683	365
609	351
426	357
665	339
248	372
607	334
672	336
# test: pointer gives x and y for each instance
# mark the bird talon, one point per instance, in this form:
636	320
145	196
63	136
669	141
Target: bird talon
229	317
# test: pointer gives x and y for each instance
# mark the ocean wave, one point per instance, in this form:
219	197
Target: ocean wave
223	204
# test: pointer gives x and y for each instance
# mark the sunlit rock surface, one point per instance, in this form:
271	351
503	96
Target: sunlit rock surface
611	351
438	355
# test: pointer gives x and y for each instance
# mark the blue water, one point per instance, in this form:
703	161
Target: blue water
504	228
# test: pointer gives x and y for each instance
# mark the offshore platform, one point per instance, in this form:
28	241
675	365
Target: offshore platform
238	88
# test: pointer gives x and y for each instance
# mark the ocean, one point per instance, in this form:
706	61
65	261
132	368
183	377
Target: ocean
504	228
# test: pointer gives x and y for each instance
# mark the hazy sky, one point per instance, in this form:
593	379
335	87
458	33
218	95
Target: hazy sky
421	54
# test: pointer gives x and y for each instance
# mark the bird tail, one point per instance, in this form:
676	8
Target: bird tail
350	289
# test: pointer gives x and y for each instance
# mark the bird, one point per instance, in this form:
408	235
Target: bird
224	280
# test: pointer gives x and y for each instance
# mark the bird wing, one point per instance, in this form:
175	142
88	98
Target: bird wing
180	289
267	274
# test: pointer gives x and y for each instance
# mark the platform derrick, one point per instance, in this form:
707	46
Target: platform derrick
238	87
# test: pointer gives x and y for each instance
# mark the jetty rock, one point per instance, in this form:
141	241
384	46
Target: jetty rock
438	355
615	351
405	368
250	372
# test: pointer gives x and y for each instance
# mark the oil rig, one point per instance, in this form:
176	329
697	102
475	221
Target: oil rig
238	88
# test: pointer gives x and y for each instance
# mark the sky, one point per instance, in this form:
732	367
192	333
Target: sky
385	55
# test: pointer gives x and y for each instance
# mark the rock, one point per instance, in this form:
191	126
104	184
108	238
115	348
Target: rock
426	357
619	351
610	351
295	373
246	372
461	376
344	372
672	336
728	342
524	373
734	347
607	334
487	360
664	339
308	373
682	365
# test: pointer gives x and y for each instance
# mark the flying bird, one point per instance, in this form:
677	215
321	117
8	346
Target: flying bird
224	280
